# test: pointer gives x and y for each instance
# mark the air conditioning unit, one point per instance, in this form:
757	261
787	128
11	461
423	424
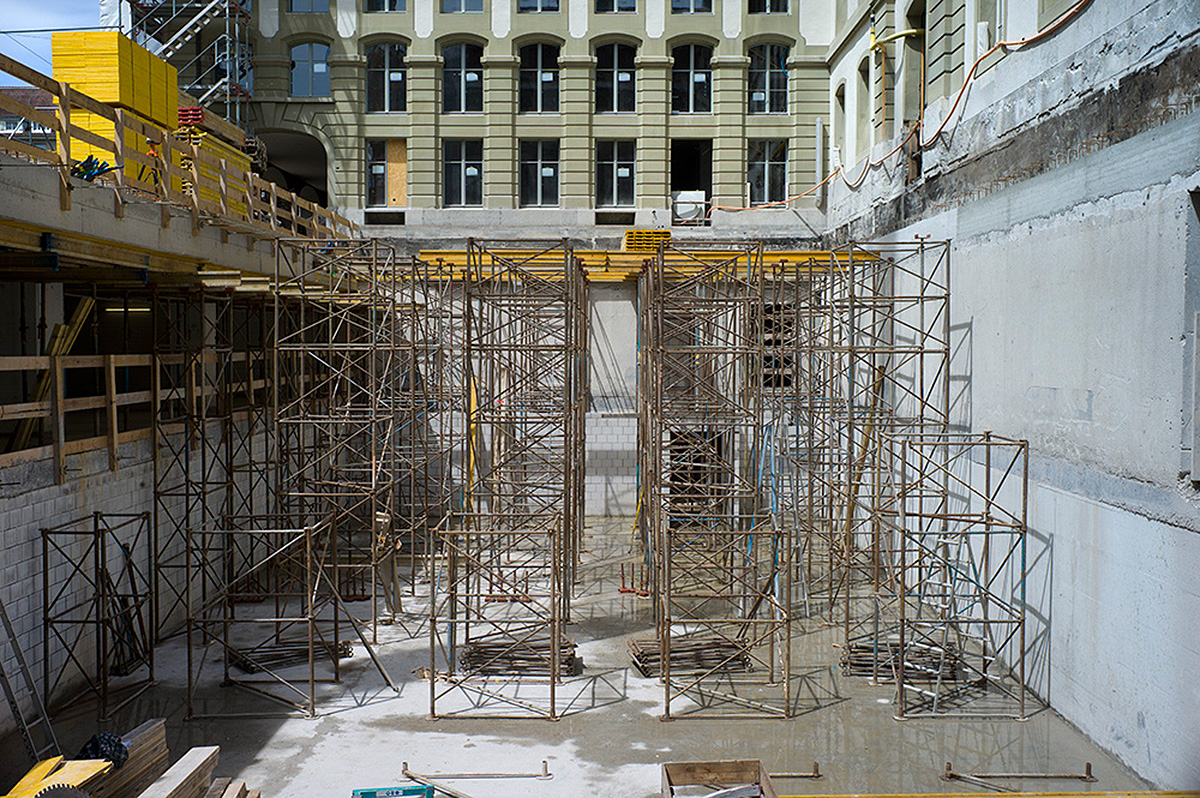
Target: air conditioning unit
689	207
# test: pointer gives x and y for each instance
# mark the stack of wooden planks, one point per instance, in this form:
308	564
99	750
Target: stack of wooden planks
692	654
230	788
922	663
148	756
187	778
521	657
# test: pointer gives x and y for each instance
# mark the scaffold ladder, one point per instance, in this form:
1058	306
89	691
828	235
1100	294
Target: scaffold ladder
39	726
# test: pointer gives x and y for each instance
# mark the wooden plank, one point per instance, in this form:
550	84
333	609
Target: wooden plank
24	363
57	426
30	76
217	788
236	789
65	131
187	778
15	106
28	150
110	396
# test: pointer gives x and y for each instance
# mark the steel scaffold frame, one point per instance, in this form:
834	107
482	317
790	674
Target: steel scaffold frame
722	558
338	365
502	593
97	573
961	575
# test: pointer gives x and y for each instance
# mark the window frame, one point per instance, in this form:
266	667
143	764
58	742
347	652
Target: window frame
767	7
686	76
457	182
461	7
774	171
399	6
313	7
312	70
691	6
470	92
384	74
615	7
764	78
539	162
622	154
539	98
539	7
376	155
613	98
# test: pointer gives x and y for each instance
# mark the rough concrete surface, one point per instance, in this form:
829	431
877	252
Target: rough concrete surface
611	742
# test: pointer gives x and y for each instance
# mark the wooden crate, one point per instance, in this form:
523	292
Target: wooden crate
722	773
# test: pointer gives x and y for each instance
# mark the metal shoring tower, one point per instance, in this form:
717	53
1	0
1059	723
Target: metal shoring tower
338	329
722	558
497	621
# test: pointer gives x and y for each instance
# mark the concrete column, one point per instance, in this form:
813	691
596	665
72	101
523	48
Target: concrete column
654	146
729	146
424	146
576	150
499	145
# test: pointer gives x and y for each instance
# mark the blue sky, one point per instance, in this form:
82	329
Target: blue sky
34	49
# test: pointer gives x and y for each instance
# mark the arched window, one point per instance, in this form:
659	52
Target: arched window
462	78
862	111
386	78
838	139
310	70
539	79
768	79
615	78
691	79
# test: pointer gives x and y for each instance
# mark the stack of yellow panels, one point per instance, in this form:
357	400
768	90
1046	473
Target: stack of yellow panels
105	129
107	66
237	164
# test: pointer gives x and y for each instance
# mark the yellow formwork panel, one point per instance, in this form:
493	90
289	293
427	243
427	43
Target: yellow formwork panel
97	63
104	128
111	68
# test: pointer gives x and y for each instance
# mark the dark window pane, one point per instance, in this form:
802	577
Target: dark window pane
625	150
529	181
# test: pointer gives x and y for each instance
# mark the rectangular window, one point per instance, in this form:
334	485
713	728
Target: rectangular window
768	6
376	173
768	79
462	78
766	170
463	171
538	80
614	173
616	80
691	6
539	173
615	6
309	6
536	6
385	5
462	6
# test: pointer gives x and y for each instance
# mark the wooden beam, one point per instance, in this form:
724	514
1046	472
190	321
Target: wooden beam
110	396
58	427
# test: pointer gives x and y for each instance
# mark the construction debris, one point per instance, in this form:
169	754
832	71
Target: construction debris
697	654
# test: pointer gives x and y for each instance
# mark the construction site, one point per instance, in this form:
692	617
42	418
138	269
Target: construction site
816	443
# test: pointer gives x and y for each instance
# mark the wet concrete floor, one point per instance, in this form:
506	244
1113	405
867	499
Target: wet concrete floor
611	741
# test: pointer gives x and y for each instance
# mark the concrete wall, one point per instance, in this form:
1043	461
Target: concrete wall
1070	200
30	501
611	484
1073	309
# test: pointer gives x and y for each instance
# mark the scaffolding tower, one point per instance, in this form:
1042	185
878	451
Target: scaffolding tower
722	556
208	42
507	565
339	373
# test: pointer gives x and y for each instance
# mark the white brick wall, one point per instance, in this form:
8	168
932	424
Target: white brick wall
611	484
